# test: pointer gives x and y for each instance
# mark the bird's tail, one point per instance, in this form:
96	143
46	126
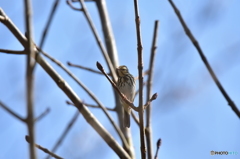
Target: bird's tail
126	119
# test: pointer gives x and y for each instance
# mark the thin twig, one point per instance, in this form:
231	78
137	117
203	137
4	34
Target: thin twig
42	115
13	52
28	139
65	132
144	74
90	105
154	96
84	0
86	68
12	112
205	61
140	75
159	142
30	78
148	129
45	31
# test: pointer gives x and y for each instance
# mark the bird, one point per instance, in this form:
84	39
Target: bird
126	85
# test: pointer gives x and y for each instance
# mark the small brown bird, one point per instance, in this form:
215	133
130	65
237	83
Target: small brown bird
126	85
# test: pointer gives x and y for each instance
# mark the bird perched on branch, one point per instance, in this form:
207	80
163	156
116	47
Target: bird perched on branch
126	85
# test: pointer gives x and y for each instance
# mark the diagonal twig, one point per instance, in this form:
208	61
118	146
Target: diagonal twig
91	105
204	59
42	115
45	31
27	138
65	132
148	129
12	112
86	68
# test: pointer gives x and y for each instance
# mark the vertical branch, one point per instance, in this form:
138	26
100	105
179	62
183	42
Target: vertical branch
29	80
149	92
140	75
112	52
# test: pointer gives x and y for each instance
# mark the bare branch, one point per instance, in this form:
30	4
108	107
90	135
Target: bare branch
204	59
149	92
15	31
30	78
86	68
12	112
159	142
65	132
45	31
42	115
92	106
140	75
13	52
28	139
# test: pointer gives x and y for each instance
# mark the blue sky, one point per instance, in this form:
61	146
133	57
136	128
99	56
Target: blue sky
190	115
